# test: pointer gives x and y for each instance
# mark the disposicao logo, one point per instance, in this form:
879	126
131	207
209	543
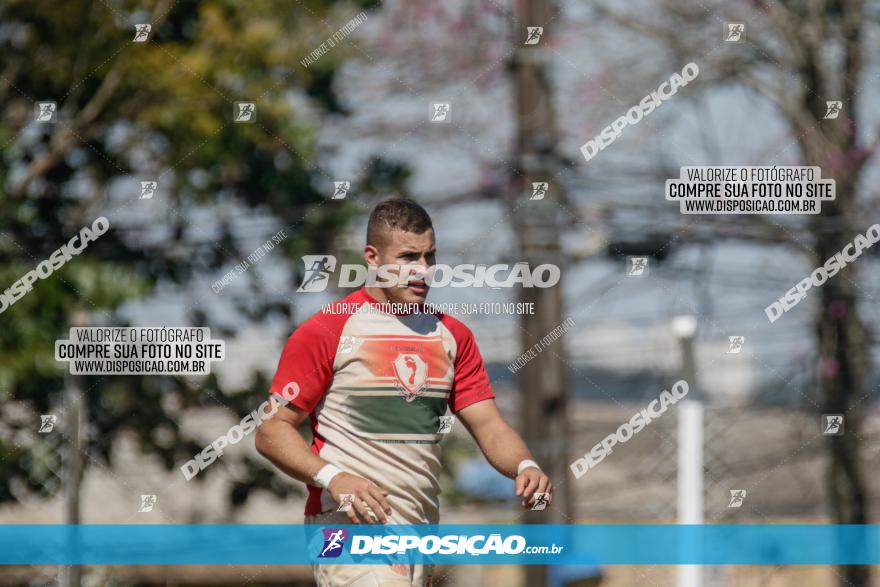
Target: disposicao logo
334	540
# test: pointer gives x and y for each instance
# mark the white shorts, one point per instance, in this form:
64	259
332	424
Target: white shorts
330	575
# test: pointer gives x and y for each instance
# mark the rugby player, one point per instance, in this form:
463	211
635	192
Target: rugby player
374	384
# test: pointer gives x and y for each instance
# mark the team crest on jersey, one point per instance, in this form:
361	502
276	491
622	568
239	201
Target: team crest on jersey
412	375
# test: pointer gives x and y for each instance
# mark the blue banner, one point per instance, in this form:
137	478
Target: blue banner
623	544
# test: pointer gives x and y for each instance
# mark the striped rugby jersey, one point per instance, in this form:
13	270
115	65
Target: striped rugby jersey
375	386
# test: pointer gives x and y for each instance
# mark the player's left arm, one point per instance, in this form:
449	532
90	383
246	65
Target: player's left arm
504	449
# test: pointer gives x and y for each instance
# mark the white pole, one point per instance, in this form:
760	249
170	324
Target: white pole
690	479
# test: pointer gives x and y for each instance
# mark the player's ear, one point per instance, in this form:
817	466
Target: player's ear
371	255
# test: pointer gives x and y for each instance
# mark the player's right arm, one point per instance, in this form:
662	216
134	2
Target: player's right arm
278	439
305	372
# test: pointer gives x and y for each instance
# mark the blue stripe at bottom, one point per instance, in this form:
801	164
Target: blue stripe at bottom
174	544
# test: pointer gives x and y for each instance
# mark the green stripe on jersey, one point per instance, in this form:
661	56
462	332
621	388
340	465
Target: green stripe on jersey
391	414
396	390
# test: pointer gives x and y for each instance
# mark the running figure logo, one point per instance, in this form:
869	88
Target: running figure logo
445	424
334	540
832	109
141	32
440	112
638	265
318	270
734	31
539	190
147	503
534	34
737	496
341	189
736	344
412	374
47	423
45	111
148	188
541	502
346	502
245	112
832	424
346	345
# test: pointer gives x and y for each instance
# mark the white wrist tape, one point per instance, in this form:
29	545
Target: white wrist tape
525	464
325	475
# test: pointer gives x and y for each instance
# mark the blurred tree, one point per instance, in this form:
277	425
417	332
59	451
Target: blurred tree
802	56
160	109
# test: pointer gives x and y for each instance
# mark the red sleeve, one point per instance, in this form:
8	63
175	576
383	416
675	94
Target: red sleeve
305	370
470	381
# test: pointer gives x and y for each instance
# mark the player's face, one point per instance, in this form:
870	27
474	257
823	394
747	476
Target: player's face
413	251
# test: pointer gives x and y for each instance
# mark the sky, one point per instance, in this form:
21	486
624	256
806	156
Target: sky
400	65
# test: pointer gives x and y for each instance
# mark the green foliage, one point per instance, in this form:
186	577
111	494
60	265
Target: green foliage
127	111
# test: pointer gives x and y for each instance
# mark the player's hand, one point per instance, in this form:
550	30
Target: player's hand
530	482
370	503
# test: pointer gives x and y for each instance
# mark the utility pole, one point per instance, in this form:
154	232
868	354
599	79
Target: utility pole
543	379
73	467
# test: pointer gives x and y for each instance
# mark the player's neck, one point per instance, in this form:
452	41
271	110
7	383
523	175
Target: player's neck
378	294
